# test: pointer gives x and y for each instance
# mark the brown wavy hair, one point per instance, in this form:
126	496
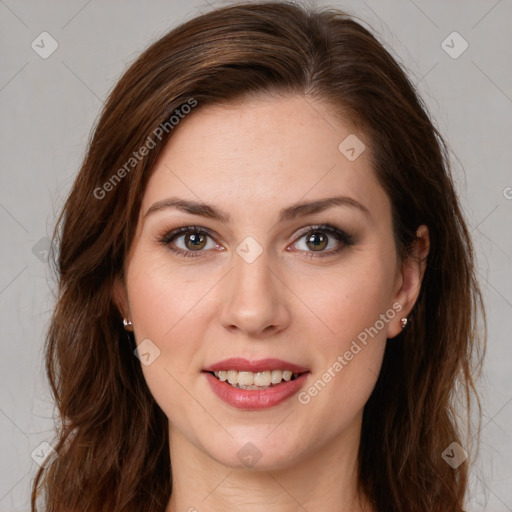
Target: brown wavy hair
112	438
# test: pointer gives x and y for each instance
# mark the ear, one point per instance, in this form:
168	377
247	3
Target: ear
120	297
409	279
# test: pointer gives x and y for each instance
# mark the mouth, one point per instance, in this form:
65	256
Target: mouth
255	385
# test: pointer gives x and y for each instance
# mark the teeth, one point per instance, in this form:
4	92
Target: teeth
257	380
276	377
262	378
245	378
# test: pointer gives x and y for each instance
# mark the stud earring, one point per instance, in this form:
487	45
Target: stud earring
404	321
128	326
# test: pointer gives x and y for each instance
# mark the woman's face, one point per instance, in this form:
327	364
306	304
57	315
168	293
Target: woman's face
254	278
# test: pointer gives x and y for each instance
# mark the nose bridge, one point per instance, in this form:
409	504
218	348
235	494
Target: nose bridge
252	269
255	300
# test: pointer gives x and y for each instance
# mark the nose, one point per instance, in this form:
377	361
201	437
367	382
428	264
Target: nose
255	299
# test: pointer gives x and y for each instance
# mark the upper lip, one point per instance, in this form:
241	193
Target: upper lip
244	365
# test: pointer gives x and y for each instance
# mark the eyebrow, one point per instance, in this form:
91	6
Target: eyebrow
286	214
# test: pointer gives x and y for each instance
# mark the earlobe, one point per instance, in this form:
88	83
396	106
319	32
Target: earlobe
410	279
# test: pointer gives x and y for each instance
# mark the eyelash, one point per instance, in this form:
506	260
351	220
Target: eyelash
342	236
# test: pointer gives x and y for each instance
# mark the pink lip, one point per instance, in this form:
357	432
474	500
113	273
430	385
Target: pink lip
243	365
255	399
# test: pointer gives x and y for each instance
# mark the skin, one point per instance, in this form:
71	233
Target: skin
251	160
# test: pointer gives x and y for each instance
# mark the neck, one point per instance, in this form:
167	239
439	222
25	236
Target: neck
324	479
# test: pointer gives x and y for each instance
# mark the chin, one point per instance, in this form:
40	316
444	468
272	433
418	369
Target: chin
256	451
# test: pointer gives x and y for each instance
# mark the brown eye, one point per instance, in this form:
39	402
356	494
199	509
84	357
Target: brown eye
317	241
195	241
322	240
190	241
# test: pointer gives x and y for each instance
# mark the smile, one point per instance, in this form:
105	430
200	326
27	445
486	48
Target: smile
254	385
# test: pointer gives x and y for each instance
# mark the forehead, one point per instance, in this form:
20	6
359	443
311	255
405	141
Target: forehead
263	154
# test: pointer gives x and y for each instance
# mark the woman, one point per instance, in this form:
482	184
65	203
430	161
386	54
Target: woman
266	282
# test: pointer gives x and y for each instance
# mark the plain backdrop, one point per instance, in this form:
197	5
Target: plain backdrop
49	105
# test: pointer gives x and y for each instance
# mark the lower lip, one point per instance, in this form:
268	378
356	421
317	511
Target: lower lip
255	399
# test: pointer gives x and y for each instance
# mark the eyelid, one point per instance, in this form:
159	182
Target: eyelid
345	238
341	235
174	233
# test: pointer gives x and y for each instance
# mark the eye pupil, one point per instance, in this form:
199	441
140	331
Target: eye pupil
319	240
198	241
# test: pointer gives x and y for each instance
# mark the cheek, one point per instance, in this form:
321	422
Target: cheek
352	312
163	306
347	300
162	296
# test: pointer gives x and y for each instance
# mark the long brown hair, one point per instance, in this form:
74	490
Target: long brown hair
112	440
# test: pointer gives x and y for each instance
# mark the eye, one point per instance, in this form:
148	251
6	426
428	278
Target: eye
189	240
321	237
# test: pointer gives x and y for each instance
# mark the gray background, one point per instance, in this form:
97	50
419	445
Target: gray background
48	107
